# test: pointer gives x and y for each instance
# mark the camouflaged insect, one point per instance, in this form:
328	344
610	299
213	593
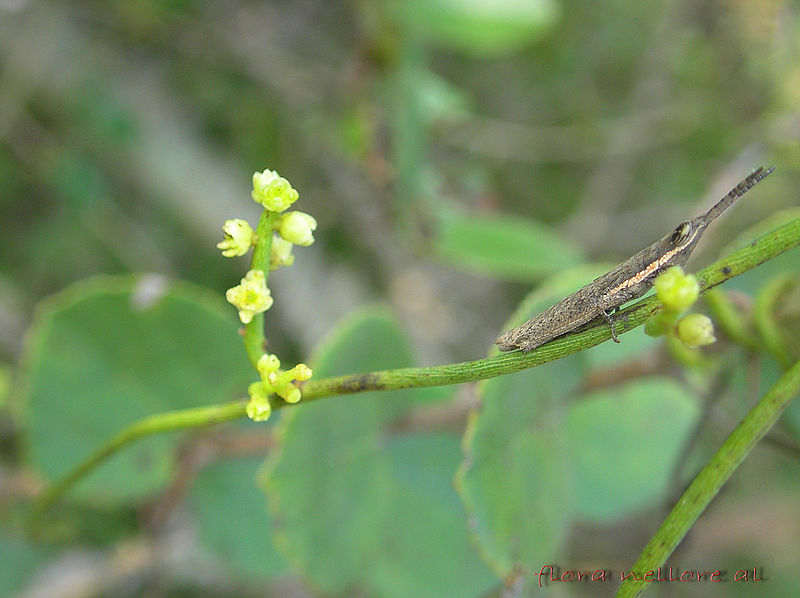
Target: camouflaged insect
630	280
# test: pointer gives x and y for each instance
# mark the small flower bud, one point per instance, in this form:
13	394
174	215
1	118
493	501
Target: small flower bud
267	363
280	253
290	393
251	297
273	191
660	323
696	330
258	409
675	290
301	372
297	228
238	238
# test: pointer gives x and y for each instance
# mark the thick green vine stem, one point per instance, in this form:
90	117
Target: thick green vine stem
759	251
766	247
710	479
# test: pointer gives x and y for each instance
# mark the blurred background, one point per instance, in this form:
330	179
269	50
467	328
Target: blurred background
456	154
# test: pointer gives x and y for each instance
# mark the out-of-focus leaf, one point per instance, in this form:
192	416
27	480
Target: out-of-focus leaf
516	478
624	443
438	99
108	352
502	246
357	508
478	27
18	561
428	534
232	517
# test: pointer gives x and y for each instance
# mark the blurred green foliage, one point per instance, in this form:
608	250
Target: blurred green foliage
456	154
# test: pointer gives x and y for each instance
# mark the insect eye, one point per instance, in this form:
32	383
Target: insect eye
681	234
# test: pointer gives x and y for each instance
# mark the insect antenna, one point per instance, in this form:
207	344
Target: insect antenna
759	174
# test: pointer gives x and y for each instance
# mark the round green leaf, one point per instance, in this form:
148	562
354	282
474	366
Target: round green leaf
108	352
232	519
359	508
515	477
503	247
18	562
624	443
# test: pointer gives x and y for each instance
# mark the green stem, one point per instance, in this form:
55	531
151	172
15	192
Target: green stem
729	319
154	424
761	250
254	341
711	478
764	319
408	131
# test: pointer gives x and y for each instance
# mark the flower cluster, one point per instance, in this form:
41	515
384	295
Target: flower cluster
276	194
280	231
274	381
677	292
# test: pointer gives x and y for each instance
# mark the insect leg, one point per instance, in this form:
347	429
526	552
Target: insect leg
607	316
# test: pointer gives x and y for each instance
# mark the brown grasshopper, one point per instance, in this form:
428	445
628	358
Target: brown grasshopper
630	280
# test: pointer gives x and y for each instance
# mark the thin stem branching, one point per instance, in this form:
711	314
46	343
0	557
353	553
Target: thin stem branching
739	262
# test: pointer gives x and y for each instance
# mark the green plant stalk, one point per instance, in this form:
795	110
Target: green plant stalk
767	247
154	424
765	324
408	131
711	478
729	319
759	251
254	341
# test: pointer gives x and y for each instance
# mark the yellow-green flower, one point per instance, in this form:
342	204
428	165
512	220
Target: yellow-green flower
267	364
238	238
273	191
298	228
289	393
301	372
696	330
251	297
280	253
258	409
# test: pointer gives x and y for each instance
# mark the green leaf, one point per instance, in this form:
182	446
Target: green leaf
359	508
18	561
478	27
515	478
427	549
108	352
503	246
624	443
232	519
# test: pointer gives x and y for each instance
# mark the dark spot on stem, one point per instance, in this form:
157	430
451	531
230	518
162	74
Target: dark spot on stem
361	383
726	270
